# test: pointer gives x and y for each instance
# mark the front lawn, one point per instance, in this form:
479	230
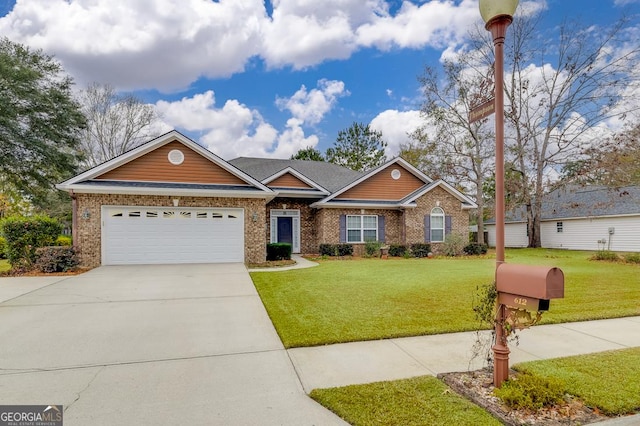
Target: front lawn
366	299
418	401
609	380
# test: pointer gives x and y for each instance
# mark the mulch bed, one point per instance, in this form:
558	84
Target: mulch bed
477	386
35	273
272	264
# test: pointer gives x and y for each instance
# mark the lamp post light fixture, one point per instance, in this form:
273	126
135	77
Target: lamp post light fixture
498	15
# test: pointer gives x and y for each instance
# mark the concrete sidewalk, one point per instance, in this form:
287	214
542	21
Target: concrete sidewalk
365	362
301	263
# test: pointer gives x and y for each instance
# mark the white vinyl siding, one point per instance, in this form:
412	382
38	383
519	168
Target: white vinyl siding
515	235
583	234
578	234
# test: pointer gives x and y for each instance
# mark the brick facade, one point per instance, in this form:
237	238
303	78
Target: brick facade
437	197
88	231
308	234
317	226
401	227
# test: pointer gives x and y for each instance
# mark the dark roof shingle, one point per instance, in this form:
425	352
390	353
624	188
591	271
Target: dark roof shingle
330	176
574	201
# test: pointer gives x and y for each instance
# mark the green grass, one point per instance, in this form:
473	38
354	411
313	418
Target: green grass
418	401
352	300
607	380
4	265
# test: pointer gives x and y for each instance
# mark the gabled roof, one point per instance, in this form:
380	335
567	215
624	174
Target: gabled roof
311	189
328	176
467	203
332	201
89	181
574	202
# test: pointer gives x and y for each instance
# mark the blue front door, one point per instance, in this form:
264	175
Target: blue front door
285	230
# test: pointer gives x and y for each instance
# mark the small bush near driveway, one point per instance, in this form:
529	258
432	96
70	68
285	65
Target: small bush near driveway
56	259
24	235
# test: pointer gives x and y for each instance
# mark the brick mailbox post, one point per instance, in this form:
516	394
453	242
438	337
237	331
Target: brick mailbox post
521	287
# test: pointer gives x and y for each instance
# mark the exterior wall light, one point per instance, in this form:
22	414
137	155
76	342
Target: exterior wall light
86	214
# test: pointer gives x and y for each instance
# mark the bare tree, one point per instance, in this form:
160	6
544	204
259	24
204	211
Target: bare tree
448	146
115	123
615	163
558	89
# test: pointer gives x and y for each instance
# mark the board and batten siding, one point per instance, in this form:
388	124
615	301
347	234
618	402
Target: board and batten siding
155	167
577	234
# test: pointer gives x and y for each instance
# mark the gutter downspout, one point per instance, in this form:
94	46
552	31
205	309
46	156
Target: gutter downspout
74	218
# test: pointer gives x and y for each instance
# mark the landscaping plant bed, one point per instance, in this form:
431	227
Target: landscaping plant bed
35	273
477	386
272	264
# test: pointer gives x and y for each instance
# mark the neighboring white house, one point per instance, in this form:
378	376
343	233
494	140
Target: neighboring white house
580	218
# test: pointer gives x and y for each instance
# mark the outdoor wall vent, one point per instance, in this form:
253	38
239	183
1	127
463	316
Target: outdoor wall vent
176	157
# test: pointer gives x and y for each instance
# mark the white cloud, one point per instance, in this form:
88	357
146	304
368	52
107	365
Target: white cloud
229	131
236	130
310	106
168	44
435	23
164	44
395	127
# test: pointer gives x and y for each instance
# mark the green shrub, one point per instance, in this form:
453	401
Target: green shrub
56	259
279	251
420	249
605	255
453	245
397	250
531	392
632	257
327	250
26	234
3	247
372	248
336	250
476	249
64	240
344	249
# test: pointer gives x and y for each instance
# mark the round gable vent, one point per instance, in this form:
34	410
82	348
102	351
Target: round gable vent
176	157
395	173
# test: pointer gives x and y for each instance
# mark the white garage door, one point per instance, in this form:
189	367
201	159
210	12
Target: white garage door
142	235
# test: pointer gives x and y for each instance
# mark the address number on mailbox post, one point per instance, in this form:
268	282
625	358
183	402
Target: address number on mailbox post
528	287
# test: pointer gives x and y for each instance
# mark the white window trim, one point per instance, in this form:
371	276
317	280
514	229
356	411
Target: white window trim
361	229
432	228
273	232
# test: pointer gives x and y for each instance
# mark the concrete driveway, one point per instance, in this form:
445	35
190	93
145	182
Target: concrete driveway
167	344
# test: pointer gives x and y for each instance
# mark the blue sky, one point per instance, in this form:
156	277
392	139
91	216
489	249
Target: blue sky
255	78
